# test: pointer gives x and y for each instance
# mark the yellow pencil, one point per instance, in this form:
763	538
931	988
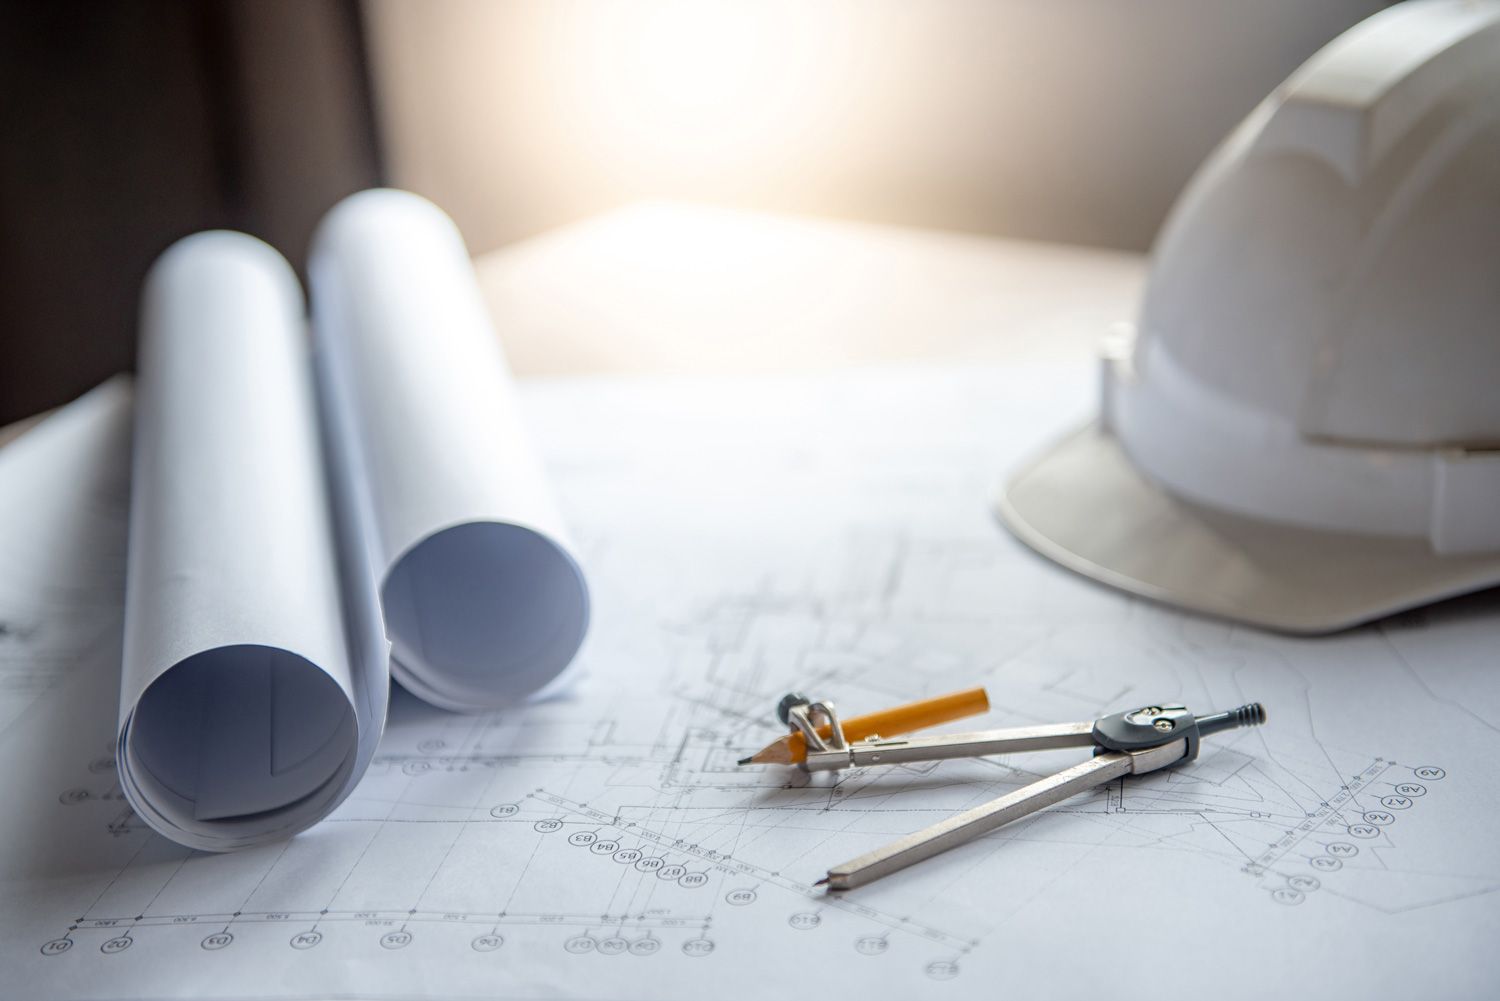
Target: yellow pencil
888	722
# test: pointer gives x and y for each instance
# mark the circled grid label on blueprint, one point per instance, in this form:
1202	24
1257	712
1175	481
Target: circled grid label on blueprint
827	534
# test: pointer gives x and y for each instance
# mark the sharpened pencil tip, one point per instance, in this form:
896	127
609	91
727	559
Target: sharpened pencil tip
746	761
822	882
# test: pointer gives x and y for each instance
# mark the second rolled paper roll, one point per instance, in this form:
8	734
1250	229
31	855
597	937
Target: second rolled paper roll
484	602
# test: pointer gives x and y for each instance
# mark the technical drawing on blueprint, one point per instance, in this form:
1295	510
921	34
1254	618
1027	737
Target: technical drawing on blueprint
828	534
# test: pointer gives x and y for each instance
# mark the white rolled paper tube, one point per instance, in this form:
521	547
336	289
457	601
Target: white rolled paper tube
253	685
484	603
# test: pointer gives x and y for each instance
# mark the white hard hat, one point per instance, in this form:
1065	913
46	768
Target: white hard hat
1303	430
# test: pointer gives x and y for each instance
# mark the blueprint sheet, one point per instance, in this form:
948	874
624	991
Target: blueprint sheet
743	538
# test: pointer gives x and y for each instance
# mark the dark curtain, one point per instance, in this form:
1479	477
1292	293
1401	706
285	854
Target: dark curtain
127	125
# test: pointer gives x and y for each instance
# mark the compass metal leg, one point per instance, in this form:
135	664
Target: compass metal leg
971	824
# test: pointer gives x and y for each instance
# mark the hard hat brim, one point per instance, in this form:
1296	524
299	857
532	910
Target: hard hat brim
1084	505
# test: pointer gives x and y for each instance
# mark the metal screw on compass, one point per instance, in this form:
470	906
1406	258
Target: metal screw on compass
1134	742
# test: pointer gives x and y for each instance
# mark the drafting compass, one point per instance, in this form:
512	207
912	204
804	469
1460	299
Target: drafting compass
1134	742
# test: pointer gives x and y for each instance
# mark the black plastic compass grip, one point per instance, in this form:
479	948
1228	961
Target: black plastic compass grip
1153	726
1148	727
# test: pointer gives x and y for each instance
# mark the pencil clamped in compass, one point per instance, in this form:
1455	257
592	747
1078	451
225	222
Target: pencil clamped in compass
1134	742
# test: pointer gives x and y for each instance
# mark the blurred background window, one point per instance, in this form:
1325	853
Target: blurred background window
130	124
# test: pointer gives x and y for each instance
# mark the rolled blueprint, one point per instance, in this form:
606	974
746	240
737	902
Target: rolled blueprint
254	678
484	604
